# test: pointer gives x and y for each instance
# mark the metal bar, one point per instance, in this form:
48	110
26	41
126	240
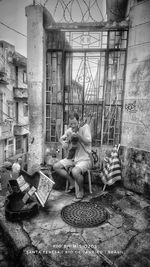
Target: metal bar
104	90
83	85
56	112
95	26
87	104
63	85
124	79
81	50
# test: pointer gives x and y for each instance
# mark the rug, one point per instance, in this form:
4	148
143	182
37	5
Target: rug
84	214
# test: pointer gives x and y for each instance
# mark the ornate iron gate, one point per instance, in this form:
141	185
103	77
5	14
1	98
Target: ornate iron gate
87	75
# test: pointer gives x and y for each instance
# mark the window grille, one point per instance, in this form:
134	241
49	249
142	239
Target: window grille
18	144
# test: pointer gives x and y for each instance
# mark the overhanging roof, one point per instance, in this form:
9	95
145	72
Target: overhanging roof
19	60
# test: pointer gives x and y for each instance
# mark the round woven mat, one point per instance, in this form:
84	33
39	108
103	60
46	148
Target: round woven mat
84	214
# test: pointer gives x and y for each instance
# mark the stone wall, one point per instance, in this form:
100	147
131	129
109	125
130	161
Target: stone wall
135	169
136	110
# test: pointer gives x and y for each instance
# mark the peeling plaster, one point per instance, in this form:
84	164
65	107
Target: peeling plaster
141	79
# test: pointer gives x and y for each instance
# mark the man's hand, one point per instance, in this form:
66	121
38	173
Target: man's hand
75	134
65	145
74	138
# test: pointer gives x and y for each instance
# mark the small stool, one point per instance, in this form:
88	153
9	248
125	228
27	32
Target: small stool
89	182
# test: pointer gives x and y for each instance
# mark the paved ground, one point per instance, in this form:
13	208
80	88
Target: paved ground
4	253
7	256
46	240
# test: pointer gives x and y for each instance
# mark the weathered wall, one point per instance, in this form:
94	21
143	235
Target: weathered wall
36	85
136	113
136	110
55	40
9	69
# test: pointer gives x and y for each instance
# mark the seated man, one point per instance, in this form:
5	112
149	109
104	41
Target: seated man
78	157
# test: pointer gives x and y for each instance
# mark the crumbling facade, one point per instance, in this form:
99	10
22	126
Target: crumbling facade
13	105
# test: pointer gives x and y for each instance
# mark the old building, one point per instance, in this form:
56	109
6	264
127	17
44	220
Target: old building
13	104
110	61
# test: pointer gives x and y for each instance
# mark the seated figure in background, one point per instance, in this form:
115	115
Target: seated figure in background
16	167
79	137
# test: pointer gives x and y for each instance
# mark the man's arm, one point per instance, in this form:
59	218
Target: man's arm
64	139
84	135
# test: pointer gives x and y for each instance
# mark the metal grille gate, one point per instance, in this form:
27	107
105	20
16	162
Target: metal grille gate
87	76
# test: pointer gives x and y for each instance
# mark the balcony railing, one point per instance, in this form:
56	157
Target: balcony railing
21	129
6	130
20	93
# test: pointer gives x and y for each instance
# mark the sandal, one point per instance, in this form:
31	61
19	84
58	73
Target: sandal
71	189
79	196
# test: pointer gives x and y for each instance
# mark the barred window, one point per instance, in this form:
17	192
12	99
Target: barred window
18	144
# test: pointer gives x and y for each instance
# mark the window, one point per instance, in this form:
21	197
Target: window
10	147
17	112
18	144
25	109
10	109
24	77
10	142
16	76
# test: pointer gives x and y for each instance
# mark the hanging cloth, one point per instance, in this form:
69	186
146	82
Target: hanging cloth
112	169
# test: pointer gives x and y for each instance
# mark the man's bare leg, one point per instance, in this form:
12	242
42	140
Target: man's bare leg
76	172
59	169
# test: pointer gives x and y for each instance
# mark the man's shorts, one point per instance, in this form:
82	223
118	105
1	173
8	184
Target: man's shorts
84	165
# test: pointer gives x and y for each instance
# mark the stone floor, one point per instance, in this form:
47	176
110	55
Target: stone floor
46	240
7	257
3	253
